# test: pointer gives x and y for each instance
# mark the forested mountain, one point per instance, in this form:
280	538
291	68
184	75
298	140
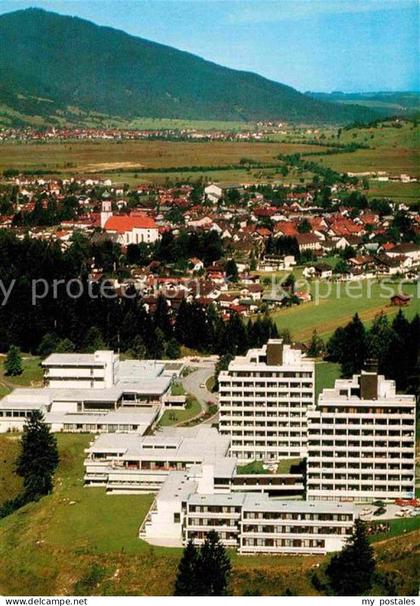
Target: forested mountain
51	63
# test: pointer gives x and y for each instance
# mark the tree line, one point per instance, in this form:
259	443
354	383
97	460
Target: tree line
394	346
94	319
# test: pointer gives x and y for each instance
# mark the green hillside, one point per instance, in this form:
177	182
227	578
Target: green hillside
51	64
386	103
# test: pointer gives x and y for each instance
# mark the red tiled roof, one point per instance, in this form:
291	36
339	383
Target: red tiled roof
307	239
286	228
388	246
124	223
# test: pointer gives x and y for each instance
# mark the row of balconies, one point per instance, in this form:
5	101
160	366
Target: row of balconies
394	482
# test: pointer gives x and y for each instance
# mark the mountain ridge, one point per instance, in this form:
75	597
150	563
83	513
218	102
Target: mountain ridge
104	70
387	103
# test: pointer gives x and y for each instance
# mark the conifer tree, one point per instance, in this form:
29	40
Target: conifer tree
186	578
316	346
214	567
205	571
13	362
38	459
351	571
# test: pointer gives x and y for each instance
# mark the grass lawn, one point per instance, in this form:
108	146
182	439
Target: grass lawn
210	383
32	373
338	302
172	417
398	527
252	467
325	375
4	390
177	389
10	483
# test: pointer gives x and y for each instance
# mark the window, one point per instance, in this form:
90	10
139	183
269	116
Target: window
177	518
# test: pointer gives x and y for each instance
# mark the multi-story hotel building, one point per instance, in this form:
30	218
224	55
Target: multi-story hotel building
188	506
264	397
81	371
361	441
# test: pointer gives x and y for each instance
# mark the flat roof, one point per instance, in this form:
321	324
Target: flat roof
235	499
178	486
142	419
131	371
72	359
263	502
203	444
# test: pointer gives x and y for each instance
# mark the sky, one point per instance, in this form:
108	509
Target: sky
317	45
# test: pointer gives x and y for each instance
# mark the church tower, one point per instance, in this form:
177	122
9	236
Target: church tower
106	212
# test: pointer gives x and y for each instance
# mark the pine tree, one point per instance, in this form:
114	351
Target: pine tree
38	459
13	362
231	270
214	567
316	346
161	316
351	571
205	571
183	322
354	354
186	578
173	349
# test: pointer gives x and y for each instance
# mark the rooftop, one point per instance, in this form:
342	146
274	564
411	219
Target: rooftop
200	444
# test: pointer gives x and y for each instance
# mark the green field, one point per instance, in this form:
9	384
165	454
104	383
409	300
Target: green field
404	192
394	150
104	156
325	375
172	417
32	374
398	527
337	306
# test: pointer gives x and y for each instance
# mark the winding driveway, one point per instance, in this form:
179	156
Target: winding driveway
192	384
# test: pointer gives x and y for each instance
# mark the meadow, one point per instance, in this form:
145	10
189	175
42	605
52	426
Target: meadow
337	306
104	156
409	193
391	149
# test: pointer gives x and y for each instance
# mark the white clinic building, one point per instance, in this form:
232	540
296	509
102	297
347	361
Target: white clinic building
361	441
188	507
264	397
98	370
94	393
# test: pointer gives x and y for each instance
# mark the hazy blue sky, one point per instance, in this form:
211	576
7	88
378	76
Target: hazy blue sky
322	45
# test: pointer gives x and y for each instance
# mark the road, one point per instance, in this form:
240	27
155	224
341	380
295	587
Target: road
192	384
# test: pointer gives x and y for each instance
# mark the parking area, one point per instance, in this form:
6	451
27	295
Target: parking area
386	511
